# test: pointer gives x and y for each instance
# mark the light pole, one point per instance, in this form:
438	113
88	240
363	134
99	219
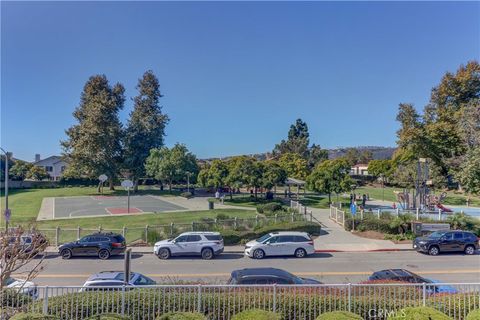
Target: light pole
6	188
188	180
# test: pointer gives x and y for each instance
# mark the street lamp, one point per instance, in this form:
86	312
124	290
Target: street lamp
188	180
7	213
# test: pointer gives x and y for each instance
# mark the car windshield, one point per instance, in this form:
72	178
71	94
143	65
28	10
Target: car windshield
263	238
436	235
10	281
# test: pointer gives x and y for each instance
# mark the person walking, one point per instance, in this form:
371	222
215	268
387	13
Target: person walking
364	200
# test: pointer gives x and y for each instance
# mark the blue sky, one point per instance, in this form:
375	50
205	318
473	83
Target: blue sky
235	75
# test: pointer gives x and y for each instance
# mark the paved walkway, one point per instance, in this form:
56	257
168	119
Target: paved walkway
335	238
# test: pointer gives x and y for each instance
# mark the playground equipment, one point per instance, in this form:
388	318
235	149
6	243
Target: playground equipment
421	197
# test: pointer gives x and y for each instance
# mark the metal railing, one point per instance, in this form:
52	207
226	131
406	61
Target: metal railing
337	215
152	233
221	302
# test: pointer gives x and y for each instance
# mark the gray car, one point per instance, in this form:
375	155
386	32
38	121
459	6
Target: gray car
115	278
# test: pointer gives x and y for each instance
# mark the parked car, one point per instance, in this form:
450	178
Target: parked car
22	286
447	241
102	245
27	243
204	244
115	278
291	243
267	276
408	276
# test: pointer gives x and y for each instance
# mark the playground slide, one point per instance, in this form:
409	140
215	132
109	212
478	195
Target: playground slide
445	209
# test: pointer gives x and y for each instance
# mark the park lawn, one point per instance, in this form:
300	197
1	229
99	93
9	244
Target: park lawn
141	220
25	203
243	200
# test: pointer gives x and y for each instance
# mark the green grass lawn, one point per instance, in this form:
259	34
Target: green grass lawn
243	200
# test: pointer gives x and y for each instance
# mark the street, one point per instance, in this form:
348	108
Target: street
341	267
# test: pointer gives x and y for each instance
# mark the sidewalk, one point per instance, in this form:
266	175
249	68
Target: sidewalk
334	238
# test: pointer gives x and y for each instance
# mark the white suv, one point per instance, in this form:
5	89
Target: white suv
205	244
298	244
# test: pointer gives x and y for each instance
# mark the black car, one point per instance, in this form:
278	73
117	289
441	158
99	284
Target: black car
408	276
447	241
102	245
267	276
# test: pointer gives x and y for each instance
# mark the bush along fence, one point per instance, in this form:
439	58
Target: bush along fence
152	233
222	302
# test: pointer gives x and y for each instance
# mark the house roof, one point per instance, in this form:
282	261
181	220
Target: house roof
360	165
55	159
293	181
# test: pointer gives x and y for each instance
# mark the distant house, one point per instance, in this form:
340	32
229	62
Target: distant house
360	169
54	165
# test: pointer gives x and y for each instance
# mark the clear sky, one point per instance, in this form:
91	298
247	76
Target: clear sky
235	75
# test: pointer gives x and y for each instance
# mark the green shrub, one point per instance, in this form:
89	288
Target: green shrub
11	298
182	316
187	195
31	316
260	208
273	207
222	216
256	314
108	316
153	236
419	313
474	315
339	315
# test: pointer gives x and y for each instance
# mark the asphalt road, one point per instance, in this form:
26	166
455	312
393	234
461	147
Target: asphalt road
326	267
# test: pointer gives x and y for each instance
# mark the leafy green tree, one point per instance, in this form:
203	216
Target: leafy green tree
294	165
146	127
381	169
244	171
171	165
19	170
331	176
37	173
316	155
352	156
365	156
93	145
469	174
214	174
273	175
461	221
402	223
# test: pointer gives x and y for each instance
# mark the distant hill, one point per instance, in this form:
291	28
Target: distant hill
377	152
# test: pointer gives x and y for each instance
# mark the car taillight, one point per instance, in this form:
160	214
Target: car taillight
117	244
310	243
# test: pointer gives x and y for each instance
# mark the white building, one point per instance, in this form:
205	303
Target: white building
359	170
54	165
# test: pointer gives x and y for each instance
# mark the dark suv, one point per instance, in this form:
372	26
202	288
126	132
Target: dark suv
267	276
102	245
447	241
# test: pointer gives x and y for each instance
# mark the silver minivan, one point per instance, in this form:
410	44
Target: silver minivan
284	243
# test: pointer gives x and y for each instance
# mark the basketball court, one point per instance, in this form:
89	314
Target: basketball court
77	207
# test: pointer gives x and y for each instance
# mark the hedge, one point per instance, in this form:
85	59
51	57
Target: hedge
231	237
256	314
298	303
339	315
31	316
11	298
419	313
474	315
182	316
108	316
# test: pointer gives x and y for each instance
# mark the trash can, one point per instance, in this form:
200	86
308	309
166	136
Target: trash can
210	205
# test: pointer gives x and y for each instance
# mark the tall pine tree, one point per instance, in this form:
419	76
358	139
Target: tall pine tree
93	146
146	127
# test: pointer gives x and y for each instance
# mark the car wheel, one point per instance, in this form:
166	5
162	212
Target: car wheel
66	254
469	250
258	254
300	253
433	251
104	254
163	254
207	254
